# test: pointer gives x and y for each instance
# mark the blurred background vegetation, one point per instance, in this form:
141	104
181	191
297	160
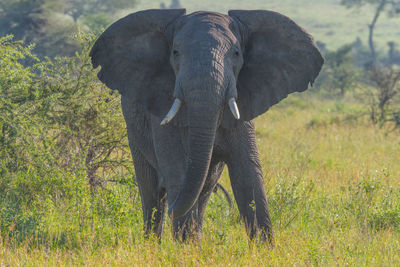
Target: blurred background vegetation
51	23
330	155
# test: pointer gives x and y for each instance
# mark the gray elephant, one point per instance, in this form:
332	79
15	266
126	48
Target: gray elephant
209	74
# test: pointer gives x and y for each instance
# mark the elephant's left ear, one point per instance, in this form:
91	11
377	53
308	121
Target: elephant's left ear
280	58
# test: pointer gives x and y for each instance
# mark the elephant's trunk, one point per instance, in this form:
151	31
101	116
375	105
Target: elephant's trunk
202	119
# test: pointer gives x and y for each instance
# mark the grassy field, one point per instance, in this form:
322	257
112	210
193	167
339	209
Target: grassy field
326	20
332	180
333	188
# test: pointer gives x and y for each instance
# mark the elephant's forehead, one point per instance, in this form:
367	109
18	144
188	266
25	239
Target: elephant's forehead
203	17
205	26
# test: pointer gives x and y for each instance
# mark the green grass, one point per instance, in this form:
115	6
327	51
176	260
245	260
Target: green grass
326	20
333	187
332	182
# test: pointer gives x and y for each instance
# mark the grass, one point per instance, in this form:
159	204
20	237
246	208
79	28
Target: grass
326	20
332	182
333	188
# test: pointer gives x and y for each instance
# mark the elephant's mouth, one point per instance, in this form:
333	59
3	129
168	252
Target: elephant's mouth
178	103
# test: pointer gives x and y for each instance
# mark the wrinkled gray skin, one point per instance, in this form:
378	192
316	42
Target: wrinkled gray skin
203	59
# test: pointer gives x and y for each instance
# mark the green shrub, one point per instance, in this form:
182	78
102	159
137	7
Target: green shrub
339	73
288	200
62	137
374	204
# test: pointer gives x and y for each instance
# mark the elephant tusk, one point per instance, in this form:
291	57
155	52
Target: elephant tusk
234	109
172	112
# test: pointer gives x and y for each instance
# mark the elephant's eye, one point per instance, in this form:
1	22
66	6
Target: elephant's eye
175	52
236	53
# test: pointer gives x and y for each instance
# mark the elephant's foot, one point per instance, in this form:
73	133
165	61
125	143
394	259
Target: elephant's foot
154	217
256	230
188	227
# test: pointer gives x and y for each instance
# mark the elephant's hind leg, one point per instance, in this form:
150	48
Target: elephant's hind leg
153	198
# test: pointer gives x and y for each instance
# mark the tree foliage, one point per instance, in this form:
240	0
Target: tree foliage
339	74
391	6
81	8
384	96
60	111
51	23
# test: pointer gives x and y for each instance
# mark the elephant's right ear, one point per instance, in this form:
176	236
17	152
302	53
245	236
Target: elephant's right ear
134	57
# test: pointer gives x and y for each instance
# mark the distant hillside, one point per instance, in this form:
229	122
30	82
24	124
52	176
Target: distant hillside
326	20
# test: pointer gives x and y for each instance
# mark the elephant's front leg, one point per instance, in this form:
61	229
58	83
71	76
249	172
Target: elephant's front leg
247	180
153	198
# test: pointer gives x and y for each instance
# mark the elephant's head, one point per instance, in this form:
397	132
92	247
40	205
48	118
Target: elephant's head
205	70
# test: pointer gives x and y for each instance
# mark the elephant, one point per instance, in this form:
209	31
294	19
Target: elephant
190	86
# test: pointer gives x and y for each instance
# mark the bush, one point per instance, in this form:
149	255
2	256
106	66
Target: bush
339	74
374	204
289	199
62	136
384	97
